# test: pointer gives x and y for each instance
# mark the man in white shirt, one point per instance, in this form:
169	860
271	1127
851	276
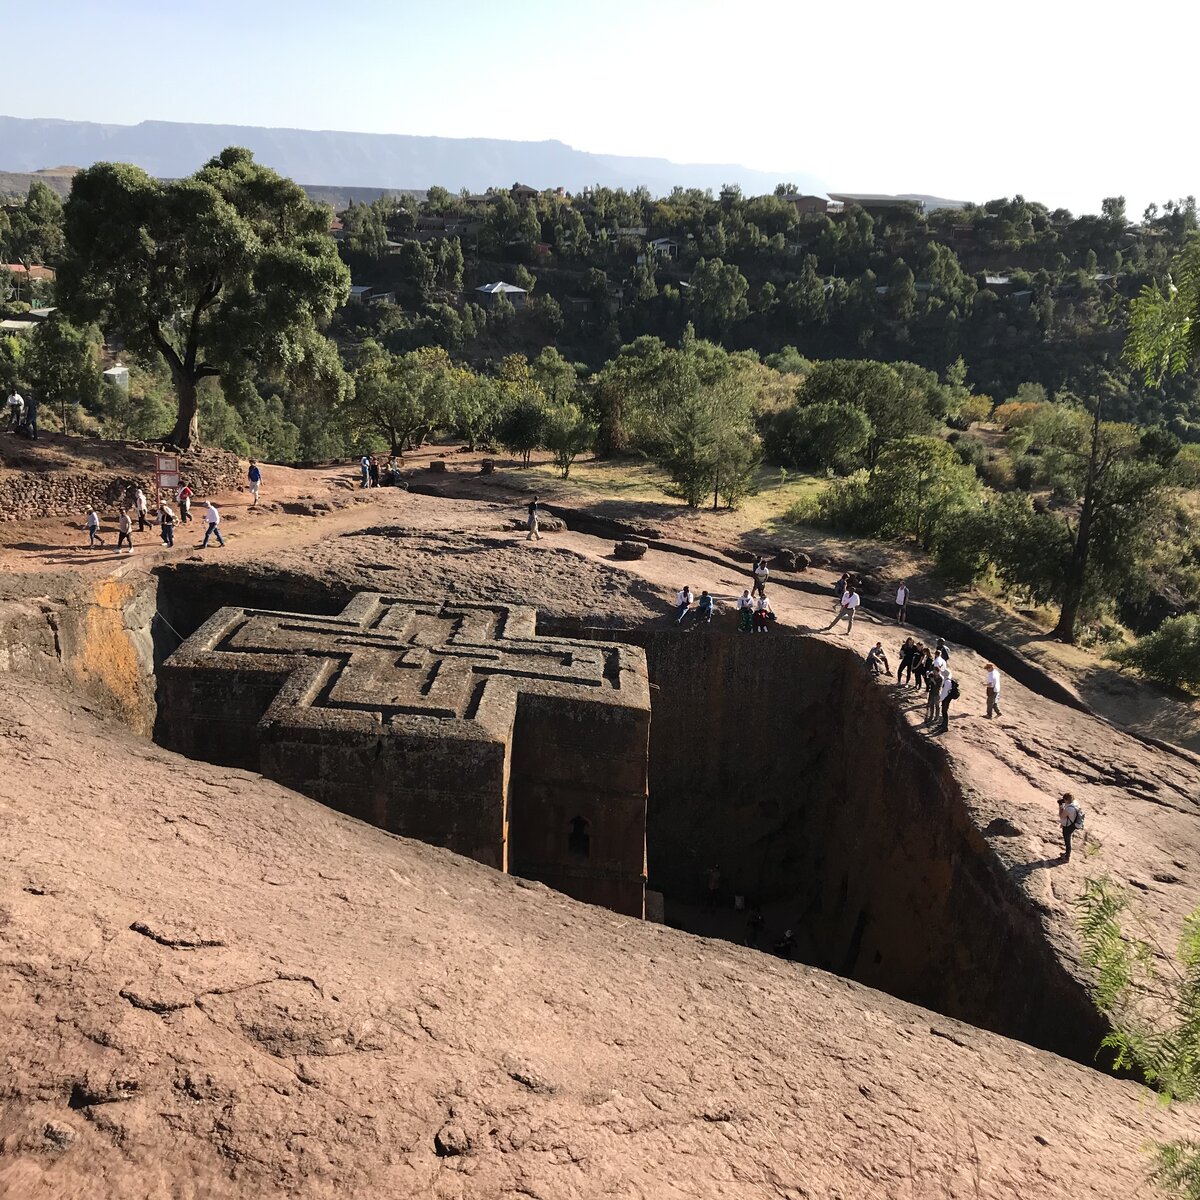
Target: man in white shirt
945	694
849	605
212	520
683	602
902	603
139	507
992	683
16	410
761	574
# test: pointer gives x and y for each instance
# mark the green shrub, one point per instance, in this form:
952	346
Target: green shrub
1170	655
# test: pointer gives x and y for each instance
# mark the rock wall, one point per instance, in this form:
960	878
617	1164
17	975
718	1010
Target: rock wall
780	760
99	635
32	494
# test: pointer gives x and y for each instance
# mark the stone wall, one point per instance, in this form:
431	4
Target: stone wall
70	492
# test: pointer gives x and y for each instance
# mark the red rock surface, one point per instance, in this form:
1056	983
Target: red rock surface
212	987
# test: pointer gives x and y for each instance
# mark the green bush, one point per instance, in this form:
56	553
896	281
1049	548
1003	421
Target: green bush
1170	655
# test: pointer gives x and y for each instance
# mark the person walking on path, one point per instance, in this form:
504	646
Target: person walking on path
902	603
93	529
704	608
212	519
745	610
254	478
139	506
947	693
877	662
763	614
992	683
185	504
761	574
683	602
849	605
365	464
1070	817
124	531
31	414
166	524
16	410
531	521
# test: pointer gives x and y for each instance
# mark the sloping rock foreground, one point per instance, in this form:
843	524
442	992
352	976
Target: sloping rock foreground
211	986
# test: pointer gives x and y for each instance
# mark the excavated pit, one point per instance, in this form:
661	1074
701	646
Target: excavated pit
780	761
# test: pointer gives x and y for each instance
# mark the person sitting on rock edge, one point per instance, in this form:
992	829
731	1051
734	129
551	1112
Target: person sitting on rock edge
877	662
763	614
704	608
683	602
745	608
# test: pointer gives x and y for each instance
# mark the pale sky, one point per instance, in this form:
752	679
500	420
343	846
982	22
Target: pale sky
1063	101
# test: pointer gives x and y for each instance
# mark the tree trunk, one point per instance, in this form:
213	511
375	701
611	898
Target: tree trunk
186	434
1077	567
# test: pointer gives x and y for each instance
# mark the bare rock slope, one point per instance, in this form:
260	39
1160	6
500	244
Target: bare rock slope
211	987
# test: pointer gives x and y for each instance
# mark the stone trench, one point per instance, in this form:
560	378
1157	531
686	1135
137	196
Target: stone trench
777	760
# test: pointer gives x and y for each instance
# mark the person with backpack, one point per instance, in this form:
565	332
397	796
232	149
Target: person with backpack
166	524
1070	817
841	587
933	688
124	531
254	478
93	529
139	507
947	693
761	573
185	504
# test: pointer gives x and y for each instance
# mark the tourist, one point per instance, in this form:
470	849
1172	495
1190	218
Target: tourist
908	653
93	529
947	692
373	473
902	603
139	506
942	651
365	464
992	683
841	588
254	478
185	504
31	415
16	410
922	666
704	608
212	520
761	573
745	609
848	606
877	662
531	522
124	531
786	946
940	660
933	687
683	602
754	926
764	614
166	524
1070	817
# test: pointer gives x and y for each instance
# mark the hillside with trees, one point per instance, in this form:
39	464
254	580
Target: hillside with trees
957	380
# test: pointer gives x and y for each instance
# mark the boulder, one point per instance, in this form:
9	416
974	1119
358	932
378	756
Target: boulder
438	465
629	550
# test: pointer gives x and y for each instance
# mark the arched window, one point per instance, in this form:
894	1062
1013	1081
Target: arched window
579	840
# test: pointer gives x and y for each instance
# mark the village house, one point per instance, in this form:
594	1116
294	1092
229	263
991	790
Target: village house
876	204
807	205
489	294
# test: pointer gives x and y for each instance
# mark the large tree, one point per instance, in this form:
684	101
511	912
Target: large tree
229	273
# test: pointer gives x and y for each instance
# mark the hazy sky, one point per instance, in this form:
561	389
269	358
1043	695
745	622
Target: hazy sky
1063	101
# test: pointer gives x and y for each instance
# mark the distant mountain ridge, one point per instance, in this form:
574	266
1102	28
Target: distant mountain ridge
169	149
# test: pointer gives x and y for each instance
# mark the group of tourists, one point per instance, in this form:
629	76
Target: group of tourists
22	415
374	475
136	508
